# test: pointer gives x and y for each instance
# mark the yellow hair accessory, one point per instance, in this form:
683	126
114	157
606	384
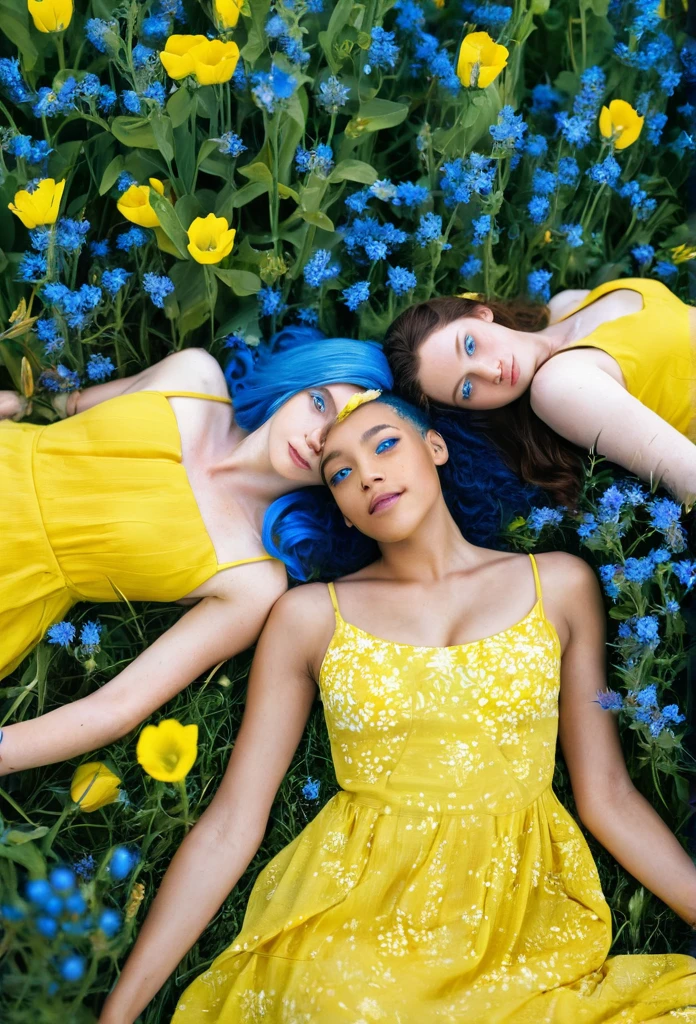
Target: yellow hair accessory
470	295
357	400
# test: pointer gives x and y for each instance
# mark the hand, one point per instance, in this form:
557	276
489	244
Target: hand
13	405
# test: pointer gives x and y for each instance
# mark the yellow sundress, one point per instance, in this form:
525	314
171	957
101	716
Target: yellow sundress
97	499
444	882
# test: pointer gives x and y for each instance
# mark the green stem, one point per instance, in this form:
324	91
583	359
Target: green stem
60	48
181	786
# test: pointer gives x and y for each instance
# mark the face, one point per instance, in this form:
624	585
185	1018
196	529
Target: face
382	472
473	363
298	428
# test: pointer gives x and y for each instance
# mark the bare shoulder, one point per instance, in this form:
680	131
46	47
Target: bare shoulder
570	589
192	369
562	302
305	619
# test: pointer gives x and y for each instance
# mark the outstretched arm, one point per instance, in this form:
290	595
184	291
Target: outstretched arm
212	631
608	803
588	407
218	849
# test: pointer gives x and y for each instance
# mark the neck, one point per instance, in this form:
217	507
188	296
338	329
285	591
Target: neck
249	473
431	552
548	341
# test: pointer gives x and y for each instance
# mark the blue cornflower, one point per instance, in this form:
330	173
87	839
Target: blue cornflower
308	316
85	867
608	575
660	556
61	379
75	306
158	287
61	633
646	631
383	51
89	86
319	160
270	302
664	514
142	55
544	182
11	79
472	265
538	208
90	634
101	34
107	99
310	790
573	235
156	92
409	194
568	170
134	238
376	240
40	237
482	228
429	229
70	234
72	968
655	124
272	87
20	146
609	700
647	697
48	331
538	284
682	143
131	101
665	270
671	713
124	182
685	571
357	202
410	18
638	197
100	248
536	146
332	95
538	518
487	15
383	189
230	144
587	102
319	269
606	173
643	254
669	80
508	132
156	27
356	295
114	280
544	98
672	606
275	27
401	280
610	505
639	570
99	367
575	130
32	267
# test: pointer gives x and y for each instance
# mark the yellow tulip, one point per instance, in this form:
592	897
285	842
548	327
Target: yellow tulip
175	56
227	12
40	206
134	204
620	122
682	253
210	239
480	60
51	15
167	751
94	785
214	61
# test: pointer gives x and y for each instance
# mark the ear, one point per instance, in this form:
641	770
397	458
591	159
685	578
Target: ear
438	448
484	313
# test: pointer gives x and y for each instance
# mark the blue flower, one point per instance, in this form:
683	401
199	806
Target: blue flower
647	697
655	124
482	227
643	254
319	269
109	922
568	170
536	146
429	229
545	98
609	700
114	280
401	280
310	790
509	129
575	130
356	295
358	201
538	208
573	235
319	160
98	31
383	51
471	266
75	306
544	182
664	514
60	380
270	302
538	284
646	631
538	518
409	194
107	99
143	55
487	15
61	633
605	173
685	571
610	505
100	249
230	144
122	862
332	95
665	270
272	87
640	202
99	367
72	968
134	238
85	867
639	570
158	287
32	267
38	891
131	102
62	880
48	331
11	79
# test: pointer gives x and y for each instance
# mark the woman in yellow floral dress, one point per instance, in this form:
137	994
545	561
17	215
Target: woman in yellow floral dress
444	882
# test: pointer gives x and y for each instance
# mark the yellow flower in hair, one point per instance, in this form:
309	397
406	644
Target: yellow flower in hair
470	295
357	400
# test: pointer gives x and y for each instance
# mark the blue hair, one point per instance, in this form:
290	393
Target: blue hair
304	528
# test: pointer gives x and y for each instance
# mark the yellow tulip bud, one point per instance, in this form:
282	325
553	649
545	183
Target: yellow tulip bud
210	239
227	12
214	62
175	56
51	15
620	122
480	60
682	253
94	785
134	204
40	206
167	751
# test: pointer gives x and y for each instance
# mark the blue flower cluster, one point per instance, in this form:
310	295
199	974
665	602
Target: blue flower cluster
643	707
63	633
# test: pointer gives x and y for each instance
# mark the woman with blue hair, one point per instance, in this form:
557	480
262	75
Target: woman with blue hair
160	487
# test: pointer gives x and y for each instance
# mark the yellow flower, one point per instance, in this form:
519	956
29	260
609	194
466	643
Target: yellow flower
480	60
621	122
470	295
682	253
40	206
547	236
167	751
227	12
355	402
176	55
210	239
134	204
51	15
214	61
94	785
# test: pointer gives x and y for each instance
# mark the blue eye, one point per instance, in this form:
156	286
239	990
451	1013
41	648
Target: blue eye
319	402
466	389
469	345
337	477
386	444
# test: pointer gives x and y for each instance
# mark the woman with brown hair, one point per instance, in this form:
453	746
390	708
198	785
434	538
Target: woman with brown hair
611	368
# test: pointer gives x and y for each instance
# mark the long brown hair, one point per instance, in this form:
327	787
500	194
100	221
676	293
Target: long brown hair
528	446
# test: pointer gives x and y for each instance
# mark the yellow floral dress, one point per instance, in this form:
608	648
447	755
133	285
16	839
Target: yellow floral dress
445	882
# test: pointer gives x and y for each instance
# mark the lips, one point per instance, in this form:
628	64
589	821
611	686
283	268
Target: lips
514	373
297	458
381	502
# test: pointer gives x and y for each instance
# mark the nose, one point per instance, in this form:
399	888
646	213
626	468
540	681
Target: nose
490	371
315	440
369	476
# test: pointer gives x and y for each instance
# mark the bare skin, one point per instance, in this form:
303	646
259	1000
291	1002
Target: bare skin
430	587
581	393
234	476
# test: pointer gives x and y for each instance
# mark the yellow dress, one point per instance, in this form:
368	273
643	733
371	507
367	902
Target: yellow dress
653	347
93	507
444	882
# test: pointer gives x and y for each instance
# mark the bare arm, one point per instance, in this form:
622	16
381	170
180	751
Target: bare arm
608	803
587	406
216	852
212	631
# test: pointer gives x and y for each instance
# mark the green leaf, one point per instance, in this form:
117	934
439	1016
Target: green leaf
21	834
339	16
257	171
111	174
180	105
354	170
171	225
247	193
191	295
164	134
318	219
242	282
285	192
256	39
27	855
134	131
17	31
377	114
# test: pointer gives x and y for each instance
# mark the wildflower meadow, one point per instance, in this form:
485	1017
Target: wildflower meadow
177	173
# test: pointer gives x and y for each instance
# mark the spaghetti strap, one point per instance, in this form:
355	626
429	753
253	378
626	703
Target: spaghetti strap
537	581
246	561
196	394
334	601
